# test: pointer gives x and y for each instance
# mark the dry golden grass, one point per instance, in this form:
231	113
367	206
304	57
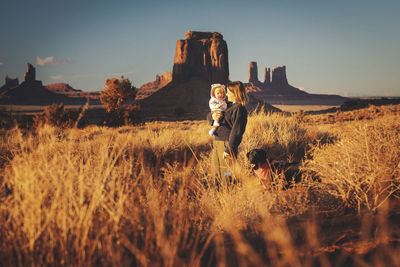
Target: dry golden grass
33	110
362	167
144	196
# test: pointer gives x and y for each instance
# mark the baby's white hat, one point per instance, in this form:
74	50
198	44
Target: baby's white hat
215	86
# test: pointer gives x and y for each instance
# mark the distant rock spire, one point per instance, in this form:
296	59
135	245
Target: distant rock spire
253	72
267	76
30	75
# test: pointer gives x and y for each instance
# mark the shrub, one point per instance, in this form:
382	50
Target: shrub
116	92
6	120
57	115
123	116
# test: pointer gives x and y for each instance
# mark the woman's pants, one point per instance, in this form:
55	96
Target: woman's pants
219	166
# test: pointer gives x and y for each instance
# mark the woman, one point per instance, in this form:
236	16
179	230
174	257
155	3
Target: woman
228	135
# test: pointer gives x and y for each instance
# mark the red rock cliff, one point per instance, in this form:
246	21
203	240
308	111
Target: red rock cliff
253	72
203	55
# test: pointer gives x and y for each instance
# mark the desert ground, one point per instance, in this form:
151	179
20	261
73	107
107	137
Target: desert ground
297	108
143	195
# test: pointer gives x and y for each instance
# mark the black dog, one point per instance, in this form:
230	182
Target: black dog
258	157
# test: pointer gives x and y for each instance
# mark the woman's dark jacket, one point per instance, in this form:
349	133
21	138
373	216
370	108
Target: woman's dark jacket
232	126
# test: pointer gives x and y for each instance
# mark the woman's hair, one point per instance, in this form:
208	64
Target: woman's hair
239	92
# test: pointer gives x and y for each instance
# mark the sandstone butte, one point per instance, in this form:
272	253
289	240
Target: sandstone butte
275	81
203	55
62	88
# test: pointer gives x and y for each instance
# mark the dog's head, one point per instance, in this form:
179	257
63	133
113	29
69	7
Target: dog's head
256	157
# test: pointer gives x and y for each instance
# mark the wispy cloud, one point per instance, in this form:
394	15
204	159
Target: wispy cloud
47	61
120	73
70	61
52	61
56	77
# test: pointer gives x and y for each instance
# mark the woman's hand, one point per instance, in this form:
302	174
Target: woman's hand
225	155
217	116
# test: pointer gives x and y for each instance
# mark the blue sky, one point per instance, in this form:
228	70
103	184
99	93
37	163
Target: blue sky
350	47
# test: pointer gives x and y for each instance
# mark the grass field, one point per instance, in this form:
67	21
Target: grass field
32	110
144	196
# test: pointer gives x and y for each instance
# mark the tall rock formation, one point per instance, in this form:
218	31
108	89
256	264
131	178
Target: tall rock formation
30	74
275	82
253	72
267	76
203	55
276	77
279	77
200	60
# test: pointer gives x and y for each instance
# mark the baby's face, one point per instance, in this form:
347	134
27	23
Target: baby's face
219	94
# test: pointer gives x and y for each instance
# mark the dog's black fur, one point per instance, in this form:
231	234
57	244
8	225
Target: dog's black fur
257	157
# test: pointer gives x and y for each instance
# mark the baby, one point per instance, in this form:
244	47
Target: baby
217	103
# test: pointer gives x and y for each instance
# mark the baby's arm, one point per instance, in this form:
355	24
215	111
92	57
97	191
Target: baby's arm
213	104
217	116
